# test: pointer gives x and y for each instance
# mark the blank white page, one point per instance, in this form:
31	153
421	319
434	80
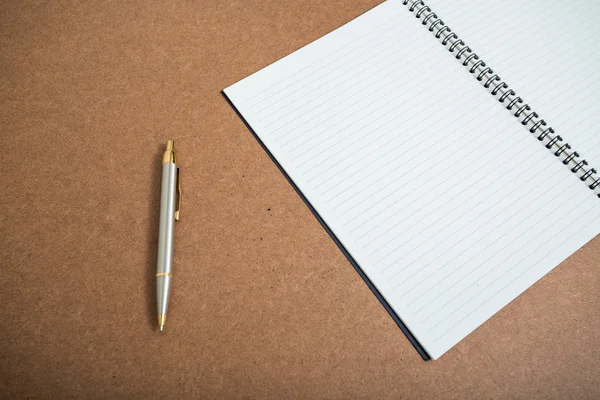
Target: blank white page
548	51
448	204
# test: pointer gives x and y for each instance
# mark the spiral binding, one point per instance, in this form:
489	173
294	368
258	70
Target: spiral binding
504	94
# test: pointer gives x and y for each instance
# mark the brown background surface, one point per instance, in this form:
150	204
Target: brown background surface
265	304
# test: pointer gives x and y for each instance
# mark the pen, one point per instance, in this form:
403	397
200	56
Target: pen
170	206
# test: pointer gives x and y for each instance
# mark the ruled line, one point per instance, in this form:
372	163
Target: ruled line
392	42
381	106
401	210
439	228
400	122
329	100
496	265
374	181
509	283
465	263
393	20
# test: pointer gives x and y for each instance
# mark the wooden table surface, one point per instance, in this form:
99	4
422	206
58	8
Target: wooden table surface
265	305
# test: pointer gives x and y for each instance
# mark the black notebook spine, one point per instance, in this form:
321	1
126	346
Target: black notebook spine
504	94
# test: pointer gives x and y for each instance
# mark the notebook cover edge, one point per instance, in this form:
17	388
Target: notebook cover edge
412	339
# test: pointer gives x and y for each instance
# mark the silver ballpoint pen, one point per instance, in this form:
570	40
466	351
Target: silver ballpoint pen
170	206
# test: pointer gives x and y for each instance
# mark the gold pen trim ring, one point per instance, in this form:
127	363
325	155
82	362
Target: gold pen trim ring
164	274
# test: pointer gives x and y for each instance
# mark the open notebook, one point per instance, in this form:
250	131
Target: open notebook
453	184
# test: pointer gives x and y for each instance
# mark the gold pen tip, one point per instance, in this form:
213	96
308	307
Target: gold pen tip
170	145
161	321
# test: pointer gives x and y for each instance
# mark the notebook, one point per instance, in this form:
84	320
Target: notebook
449	148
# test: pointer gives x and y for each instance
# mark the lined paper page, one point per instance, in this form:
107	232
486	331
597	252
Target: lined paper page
547	51
450	207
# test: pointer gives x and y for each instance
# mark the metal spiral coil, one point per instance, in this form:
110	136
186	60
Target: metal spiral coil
503	93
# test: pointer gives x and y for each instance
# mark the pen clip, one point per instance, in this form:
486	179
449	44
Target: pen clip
178	207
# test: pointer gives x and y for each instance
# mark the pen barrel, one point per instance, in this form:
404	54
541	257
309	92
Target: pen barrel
164	263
